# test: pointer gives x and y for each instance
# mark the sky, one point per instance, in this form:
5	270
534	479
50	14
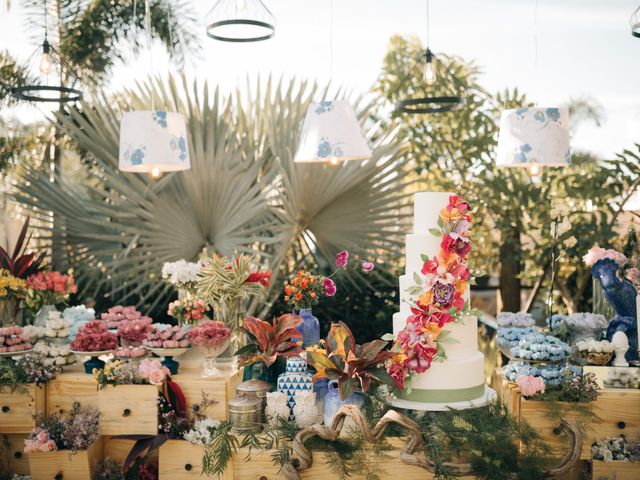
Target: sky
584	48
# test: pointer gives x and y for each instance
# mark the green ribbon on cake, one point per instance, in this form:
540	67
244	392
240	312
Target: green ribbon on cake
442	396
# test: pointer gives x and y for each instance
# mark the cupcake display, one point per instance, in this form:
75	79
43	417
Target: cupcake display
509	337
517	319
115	316
94	337
540	348
12	341
166	336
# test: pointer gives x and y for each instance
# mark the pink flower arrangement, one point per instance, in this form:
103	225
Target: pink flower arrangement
49	288
209	334
11	340
93	336
187	310
118	314
530	385
153	371
133	332
39	441
131	352
171	337
597	253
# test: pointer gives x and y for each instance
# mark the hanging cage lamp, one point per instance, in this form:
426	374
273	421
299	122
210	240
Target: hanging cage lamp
534	138
240	21
50	66
634	21
331	133
435	88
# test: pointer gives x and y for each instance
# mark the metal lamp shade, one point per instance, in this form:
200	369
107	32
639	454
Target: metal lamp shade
534	136
634	22
240	21
152	141
331	133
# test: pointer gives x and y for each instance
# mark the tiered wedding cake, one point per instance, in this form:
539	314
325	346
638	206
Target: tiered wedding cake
443	364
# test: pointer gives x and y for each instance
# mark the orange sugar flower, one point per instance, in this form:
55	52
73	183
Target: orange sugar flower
452	215
426	298
432	329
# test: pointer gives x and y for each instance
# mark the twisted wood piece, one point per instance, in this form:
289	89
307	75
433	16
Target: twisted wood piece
302	458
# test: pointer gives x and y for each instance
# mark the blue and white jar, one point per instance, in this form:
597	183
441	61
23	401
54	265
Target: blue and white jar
296	378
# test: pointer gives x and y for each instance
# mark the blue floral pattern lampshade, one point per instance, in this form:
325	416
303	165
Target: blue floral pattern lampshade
153	141
534	135
331	133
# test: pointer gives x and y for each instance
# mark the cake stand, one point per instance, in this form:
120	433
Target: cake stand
167	354
489	397
94	361
19	353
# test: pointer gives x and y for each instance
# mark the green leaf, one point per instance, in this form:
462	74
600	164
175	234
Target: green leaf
388	337
436	232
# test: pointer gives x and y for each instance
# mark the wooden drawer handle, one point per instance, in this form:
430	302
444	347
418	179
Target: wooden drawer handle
58	476
263	478
188	467
621	425
126	412
5	408
17	455
557	430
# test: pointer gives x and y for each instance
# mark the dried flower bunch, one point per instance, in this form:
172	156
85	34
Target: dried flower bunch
78	431
117	372
165	336
11	340
94	337
31	368
615	448
209	334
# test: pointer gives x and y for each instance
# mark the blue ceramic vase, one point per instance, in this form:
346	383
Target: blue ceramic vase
309	328
621	294
332	402
296	378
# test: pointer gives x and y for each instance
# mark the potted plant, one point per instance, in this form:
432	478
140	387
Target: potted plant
65	447
351	368
268	344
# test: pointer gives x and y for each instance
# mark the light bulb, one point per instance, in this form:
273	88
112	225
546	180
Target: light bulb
155	172
45	63
429	73
333	161
534	169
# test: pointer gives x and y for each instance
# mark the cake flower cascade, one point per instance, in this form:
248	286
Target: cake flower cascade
440	291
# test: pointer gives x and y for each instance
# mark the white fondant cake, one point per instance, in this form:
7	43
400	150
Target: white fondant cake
459	379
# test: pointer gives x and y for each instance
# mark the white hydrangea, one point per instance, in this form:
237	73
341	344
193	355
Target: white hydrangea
31	333
202	431
603	346
57	326
180	273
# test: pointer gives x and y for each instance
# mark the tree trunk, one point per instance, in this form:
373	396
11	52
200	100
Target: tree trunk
510	261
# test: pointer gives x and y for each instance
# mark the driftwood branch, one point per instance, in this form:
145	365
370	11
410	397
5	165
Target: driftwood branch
302	458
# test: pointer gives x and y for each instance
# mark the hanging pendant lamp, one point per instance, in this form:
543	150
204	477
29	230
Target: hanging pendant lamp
331	133
240	21
634	21
438	89
50	65
534	138
153	142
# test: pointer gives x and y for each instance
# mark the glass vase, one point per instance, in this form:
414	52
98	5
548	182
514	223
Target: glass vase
309	328
231	313
8	311
40	320
211	354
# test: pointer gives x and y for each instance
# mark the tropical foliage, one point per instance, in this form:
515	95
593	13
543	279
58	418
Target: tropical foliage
268	341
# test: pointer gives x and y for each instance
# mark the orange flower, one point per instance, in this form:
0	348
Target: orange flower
432	329
304	283
298	296
452	215
426	298
313	294
313	280
286	299
288	289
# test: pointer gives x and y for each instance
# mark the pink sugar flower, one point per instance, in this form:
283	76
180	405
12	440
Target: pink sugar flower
530	385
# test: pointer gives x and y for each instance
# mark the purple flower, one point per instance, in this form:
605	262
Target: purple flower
443	293
367	266
342	259
329	287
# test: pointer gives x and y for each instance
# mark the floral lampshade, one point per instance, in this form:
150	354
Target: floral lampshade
331	133
534	137
153	142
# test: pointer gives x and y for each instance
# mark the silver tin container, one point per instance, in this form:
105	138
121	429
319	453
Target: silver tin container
245	414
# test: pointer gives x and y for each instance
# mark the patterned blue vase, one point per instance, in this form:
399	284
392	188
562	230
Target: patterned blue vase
621	294
332	402
296	378
309	328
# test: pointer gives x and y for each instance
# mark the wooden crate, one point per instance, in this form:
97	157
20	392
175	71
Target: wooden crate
128	410
180	460
79	466
16	460
73	385
19	409
615	411
220	389
117	448
615	470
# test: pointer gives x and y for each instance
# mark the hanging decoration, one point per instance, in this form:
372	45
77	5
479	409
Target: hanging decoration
533	138
440	92
153	141
48	62
240	21
330	131
634	21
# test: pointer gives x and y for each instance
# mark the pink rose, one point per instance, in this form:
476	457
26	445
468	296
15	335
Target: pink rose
156	376
145	367
367	266
530	385
329	287
342	259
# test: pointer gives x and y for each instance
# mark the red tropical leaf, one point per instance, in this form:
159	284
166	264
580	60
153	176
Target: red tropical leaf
20	243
